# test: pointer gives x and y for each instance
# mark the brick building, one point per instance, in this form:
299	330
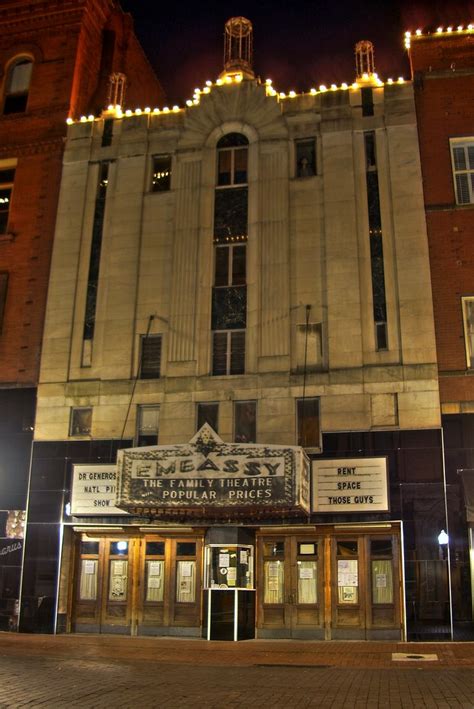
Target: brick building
443	75
56	58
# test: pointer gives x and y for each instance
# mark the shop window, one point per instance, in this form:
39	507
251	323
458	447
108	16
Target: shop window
305	157
81	421
208	413
161	180
17	86
309	432
88	579
6	186
150	360
347	572
307	572
273	572
382	571
468	317
228	352
245	421
3	296
147	425
462	156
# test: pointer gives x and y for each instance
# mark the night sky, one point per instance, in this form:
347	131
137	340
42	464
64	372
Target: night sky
297	44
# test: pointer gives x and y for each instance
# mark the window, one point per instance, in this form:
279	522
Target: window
208	413
367	101
147	425
307	414
468	316
161	180
230	266
245	421
81	421
108	132
305	157
6	185
150	363
228	352
17	86
462	155
3	295
232	153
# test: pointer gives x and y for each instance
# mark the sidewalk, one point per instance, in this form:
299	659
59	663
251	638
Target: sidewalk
297	653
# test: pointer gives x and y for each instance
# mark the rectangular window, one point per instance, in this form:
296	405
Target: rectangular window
3	295
107	133
309	432
305	157
147	425
150	361
367	101
230	266
462	156
6	185
208	413
228	352
468	316
245	421
231	215
81	421
161	180
232	166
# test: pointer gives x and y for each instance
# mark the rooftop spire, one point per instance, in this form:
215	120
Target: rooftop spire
365	66
238	47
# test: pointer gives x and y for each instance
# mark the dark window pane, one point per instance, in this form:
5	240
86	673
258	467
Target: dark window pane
230	214
15	103
119	548
367	101
150	357
239	259
208	413
274	548
7	176
108	132
81	422
346	548
155	548
222	266
224	167
245	413
370	157
232	140
308	423
5	200
229	308
96	247
3	295
219	353
89	547
240	166
186	549
237	353
381	341
161	173
381	547
305	158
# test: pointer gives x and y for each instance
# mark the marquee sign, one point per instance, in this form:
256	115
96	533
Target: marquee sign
349	485
94	489
208	473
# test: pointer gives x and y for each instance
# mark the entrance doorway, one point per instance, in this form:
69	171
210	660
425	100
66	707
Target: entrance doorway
330	584
138	585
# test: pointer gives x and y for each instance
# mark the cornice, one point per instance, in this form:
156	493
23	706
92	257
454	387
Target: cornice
32	148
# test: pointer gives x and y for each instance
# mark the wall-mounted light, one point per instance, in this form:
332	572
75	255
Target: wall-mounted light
443	538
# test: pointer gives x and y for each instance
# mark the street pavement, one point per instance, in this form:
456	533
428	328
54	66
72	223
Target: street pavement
172	673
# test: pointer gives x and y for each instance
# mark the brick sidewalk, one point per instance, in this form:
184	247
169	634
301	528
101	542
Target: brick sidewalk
106	672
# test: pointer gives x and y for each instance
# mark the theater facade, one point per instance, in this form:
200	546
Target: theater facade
238	426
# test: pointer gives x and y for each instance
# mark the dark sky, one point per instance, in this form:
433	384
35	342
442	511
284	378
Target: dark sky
297	44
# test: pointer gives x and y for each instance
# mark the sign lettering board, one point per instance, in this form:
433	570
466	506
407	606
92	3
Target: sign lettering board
94	489
10	551
206	472
349	485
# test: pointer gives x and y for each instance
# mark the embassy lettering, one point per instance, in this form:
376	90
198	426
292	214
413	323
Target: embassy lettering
252	468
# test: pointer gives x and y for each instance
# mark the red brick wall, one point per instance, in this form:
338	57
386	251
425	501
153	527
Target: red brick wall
65	38
444	91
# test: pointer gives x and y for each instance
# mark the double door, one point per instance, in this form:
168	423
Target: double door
329	585
137	585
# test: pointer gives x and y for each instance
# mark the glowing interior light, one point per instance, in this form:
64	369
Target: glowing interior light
128	112
166	109
69	121
147	109
323	88
208	83
418	32
122	546
292	94
443	537
313	92
176	109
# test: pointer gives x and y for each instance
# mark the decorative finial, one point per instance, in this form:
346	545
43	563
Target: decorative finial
238	47
365	66
116	95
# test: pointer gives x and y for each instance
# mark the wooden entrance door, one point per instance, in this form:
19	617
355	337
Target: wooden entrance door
290	586
329	585
148	585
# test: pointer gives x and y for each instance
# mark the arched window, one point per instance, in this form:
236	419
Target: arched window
17	86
